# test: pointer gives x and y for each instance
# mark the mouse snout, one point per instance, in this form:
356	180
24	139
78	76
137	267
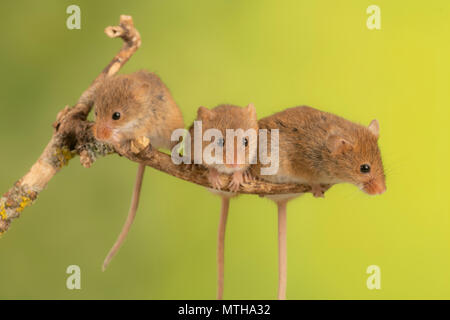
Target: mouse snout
232	160
375	187
102	132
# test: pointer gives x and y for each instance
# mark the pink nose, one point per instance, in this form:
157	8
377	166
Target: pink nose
375	188
102	132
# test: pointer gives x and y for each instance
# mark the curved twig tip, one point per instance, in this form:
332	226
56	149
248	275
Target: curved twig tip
114	32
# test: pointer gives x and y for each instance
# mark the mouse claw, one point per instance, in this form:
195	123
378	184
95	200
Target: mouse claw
214	180
233	186
236	181
248	177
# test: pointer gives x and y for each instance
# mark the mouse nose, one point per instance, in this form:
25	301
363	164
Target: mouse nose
375	187
102	132
232	161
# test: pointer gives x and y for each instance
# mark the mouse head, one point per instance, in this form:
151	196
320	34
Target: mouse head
119	108
238	145
356	158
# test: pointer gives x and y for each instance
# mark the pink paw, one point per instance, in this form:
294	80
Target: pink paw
236	181
248	176
214	180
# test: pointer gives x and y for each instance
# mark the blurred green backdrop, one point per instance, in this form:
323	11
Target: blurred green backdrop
276	54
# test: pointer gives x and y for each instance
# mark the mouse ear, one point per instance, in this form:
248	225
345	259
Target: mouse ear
140	90
251	110
203	113
338	145
374	127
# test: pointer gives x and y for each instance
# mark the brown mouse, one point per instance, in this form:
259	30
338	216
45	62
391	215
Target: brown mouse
319	148
221	118
129	107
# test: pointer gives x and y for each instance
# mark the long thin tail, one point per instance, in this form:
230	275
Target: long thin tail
221	246
130	218
282	250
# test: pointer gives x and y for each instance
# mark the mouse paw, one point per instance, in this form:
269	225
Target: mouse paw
236	181
317	191
214	179
139	144
248	177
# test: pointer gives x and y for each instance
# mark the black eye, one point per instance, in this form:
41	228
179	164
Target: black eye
116	116
245	142
365	168
220	142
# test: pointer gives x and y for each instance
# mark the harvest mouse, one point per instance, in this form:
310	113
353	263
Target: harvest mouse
223	118
128	107
319	148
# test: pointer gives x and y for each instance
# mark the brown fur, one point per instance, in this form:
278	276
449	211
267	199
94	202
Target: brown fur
320	147
142	98
146	109
225	117
316	148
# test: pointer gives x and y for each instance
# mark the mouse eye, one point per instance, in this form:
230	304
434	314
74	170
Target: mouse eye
220	142
365	168
245	142
116	116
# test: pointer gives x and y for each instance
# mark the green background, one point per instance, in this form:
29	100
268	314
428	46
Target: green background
276	54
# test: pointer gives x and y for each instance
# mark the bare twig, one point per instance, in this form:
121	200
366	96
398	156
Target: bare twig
73	136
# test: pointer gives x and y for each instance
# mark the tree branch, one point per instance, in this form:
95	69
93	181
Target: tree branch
73	136
197	173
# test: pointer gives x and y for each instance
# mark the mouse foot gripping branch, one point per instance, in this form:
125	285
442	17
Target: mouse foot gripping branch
73	136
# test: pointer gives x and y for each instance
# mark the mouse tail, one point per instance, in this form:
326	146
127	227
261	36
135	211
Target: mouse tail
221	246
130	218
282	249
